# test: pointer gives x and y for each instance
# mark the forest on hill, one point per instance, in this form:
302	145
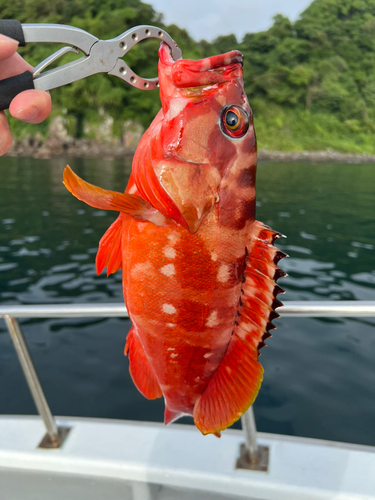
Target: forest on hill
311	83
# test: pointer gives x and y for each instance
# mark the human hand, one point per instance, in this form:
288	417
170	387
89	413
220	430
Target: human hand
31	106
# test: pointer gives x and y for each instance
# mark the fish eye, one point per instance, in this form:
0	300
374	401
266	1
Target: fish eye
234	121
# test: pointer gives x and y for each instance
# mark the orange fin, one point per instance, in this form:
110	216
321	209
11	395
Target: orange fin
236	382
104	199
109	253
259	289
232	389
140	369
146	180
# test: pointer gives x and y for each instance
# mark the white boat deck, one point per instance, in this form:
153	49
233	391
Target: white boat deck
109	459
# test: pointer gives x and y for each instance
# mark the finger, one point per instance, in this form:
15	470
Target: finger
5	137
31	106
7	47
12	66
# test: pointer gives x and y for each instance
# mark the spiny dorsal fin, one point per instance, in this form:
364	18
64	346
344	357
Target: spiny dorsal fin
236	382
259	289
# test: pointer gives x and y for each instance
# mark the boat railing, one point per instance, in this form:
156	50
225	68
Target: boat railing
252	456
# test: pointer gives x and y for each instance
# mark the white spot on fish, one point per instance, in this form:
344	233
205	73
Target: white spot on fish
171	325
208	355
168	270
141	226
140	270
165	387
168	309
173	237
156	217
133	189
197	379
214	256
169	252
170	349
228	370
174	355
223	273
212	319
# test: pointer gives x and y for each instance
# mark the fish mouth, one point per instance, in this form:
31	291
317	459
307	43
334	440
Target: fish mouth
193	75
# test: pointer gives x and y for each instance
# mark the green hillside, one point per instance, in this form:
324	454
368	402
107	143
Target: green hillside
311	83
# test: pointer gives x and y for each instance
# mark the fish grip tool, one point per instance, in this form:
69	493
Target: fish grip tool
100	56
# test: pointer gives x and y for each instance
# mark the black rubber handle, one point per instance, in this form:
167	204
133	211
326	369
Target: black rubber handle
11	87
13	29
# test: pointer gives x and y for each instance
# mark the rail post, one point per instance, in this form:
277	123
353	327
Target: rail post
252	456
55	435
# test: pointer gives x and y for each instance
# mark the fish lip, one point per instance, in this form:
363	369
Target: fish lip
167	54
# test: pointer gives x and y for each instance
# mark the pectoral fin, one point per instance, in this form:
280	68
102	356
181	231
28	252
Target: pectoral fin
104	199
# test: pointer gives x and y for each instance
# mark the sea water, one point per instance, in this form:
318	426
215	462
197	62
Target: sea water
319	378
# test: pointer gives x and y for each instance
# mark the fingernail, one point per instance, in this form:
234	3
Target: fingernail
27	114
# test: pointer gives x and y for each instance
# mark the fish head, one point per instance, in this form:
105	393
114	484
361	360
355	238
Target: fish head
203	132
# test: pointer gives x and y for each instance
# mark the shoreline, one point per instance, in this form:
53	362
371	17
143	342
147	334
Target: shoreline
88	148
314	156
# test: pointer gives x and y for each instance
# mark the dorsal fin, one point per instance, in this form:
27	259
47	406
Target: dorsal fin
236	382
259	289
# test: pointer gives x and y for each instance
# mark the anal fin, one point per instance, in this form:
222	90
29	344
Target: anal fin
140	369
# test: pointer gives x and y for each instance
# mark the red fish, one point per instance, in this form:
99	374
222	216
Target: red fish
199	272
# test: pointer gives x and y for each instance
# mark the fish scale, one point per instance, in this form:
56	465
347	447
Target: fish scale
199	272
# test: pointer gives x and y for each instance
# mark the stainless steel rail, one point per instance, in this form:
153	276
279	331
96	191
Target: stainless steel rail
252	456
329	309
31	376
313	309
